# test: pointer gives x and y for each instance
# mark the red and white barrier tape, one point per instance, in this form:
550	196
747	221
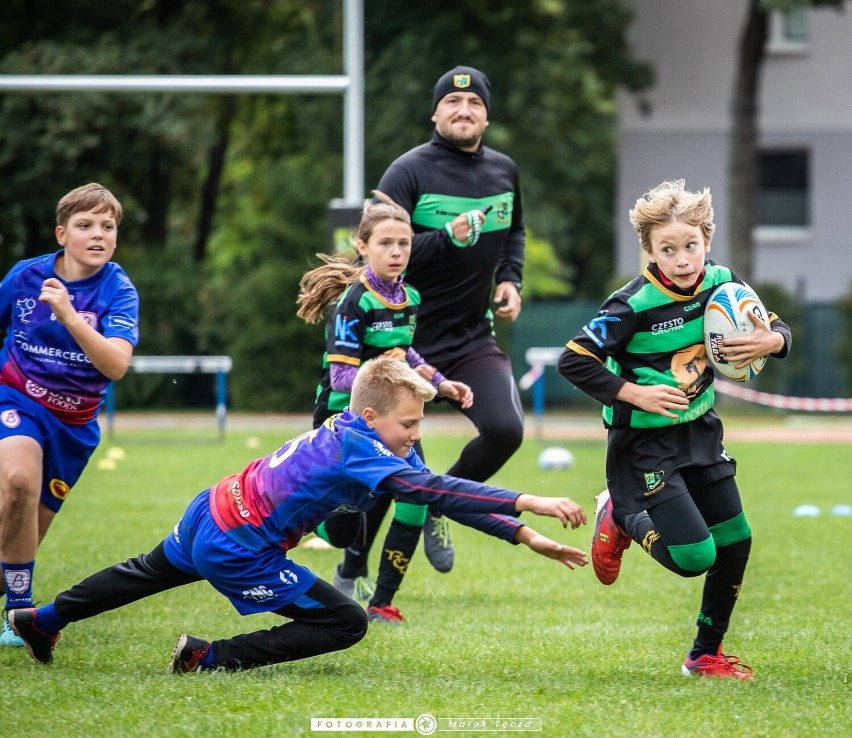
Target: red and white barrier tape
531	377
810	404
545	356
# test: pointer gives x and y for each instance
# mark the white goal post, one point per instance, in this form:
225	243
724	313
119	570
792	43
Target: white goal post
351	84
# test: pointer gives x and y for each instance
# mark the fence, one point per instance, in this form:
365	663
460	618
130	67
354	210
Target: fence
218	365
816	367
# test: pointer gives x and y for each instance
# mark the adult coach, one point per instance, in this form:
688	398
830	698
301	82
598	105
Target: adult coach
465	205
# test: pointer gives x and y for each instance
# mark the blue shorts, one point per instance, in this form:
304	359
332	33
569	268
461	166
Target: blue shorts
261	581
66	449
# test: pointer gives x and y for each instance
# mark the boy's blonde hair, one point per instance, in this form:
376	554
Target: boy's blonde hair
322	286
668	202
91	196
381	384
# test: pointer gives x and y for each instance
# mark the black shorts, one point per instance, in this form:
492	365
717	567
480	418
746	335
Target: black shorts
647	466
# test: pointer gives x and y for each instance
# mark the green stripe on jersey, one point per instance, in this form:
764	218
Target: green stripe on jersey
433	211
337	401
648	297
669	339
390	325
641	419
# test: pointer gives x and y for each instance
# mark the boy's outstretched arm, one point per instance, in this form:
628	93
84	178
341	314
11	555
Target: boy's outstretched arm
563	508
453	495
488	509
545	546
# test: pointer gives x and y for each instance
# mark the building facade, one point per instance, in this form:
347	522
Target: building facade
680	129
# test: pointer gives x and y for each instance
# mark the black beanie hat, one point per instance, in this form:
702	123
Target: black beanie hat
462	79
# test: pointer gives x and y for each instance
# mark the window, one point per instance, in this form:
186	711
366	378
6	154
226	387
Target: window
783	189
789	31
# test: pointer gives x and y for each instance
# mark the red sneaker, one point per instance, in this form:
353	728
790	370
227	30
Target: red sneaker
609	542
728	667
387	614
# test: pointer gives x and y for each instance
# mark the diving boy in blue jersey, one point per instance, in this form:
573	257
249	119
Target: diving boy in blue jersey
237	533
71	322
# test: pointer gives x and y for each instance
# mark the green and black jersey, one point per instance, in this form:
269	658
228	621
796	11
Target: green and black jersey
436	182
649	333
362	326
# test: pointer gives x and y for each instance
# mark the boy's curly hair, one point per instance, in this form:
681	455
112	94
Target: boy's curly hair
671	201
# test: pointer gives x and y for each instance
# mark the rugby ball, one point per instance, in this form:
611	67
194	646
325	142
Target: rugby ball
726	317
555	457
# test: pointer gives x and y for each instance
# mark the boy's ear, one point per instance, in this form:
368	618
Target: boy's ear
60	235
369	416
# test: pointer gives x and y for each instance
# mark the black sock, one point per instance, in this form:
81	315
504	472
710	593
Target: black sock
399	546
354	562
356	557
721	590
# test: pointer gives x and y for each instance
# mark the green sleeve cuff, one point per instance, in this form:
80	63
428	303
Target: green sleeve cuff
458	244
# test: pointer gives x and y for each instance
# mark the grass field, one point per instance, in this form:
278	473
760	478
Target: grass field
506	634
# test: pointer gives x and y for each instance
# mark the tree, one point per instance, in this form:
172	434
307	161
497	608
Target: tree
745	105
555	66
226	197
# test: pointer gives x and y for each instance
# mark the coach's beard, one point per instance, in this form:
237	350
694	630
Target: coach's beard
465	143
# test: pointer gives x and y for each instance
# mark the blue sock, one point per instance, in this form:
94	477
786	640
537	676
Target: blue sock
48	620
18	579
207	662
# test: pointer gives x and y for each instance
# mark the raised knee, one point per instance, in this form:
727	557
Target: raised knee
732	531
515	437
694	559
507	436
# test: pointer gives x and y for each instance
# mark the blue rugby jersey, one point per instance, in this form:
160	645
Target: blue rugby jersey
39	357
343	466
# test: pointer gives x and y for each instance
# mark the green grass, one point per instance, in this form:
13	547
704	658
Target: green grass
506	634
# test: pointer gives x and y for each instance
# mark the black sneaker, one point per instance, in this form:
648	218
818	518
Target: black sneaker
39	644
358	588
187	654
437	543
